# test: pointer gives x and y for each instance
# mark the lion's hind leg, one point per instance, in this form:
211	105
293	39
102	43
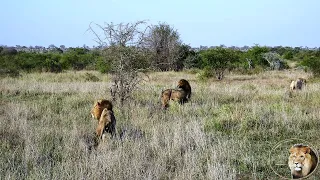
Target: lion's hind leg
105	119
165	98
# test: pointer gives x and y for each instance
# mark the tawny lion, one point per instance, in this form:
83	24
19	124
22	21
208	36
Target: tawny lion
181	95
302	161
102	111
298	84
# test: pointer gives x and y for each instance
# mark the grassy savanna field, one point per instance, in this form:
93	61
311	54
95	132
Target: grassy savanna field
227	131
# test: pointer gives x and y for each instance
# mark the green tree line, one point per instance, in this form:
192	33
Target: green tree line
164	51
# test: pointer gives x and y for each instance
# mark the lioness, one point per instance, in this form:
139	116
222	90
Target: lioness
298	84
182	94
302	160
102	111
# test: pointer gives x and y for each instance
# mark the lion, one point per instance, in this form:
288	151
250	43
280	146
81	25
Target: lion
302	160
184	84
106	123
182	94
102	111
298	84
98	107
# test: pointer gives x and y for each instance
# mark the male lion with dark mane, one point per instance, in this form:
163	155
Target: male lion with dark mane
102	111
302	161
298	84
182	94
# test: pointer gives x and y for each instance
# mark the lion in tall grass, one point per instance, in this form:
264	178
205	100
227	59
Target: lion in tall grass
302	161
181	94
298	84
102	111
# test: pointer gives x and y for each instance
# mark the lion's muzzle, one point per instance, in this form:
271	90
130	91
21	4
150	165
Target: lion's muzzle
298	166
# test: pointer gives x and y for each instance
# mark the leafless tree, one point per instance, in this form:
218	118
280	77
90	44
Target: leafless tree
122	46
164	42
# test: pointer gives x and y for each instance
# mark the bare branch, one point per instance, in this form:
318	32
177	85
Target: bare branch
123	50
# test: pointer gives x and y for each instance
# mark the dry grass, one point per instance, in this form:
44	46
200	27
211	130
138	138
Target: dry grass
226	132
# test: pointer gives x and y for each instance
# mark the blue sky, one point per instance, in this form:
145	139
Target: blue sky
199	22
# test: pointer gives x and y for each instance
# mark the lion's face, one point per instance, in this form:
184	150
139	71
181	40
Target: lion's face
300	161
184	84
99	106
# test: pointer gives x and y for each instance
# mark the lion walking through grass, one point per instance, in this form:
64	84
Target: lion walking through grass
102	111
182	94
298	84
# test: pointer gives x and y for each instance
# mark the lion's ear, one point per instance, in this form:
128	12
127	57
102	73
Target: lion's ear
291	150
307	150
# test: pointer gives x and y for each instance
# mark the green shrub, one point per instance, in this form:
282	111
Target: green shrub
313	63
219	59
102	65
288	55
9	72
205	74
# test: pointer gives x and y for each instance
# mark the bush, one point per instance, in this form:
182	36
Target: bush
313	63
275	61
103	65
256	55
52	64
219	60
9	72
205	74
193	60
288	55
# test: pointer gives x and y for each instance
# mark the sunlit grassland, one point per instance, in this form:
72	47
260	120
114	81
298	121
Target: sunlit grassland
226	132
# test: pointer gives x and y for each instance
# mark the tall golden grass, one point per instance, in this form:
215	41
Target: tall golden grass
227	131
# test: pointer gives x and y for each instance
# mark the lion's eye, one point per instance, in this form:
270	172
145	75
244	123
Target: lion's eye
301	156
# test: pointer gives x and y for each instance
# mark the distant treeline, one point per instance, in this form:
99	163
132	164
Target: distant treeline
56	59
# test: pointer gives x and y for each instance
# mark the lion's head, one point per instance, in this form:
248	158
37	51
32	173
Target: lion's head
302	160
99	106
184	84
181	95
